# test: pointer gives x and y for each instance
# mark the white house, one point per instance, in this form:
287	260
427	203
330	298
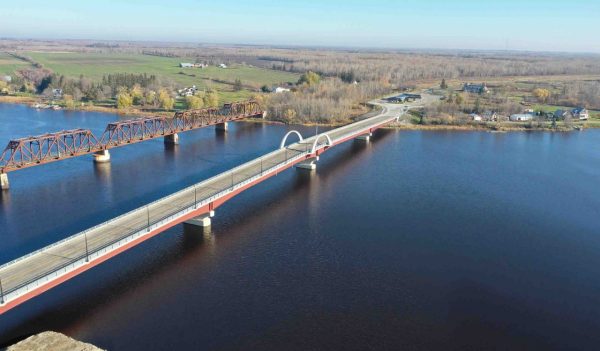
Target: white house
188	91
476	117
222	65
278	90
580	113
490	116
191	65
57	93
520	117
7	79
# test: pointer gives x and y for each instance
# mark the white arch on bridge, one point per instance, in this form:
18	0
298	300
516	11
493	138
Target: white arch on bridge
314	146
282	145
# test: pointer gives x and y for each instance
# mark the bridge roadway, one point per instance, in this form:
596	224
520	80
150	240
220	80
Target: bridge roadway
43	269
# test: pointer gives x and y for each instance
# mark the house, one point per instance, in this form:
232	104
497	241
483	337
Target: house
278	90
521	117
580	113
476	117
7	79
403	98
475	88
562	114
490	116
222	65
57	93
188	91
192	65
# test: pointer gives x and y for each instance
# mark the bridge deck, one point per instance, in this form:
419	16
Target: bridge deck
32	274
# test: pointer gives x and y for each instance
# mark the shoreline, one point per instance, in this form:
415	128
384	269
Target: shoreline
29	101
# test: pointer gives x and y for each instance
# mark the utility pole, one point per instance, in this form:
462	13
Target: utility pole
1	293
87	254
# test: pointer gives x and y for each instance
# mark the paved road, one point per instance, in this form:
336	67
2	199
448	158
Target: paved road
19	273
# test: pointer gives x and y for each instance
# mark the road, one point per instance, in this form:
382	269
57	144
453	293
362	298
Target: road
20	276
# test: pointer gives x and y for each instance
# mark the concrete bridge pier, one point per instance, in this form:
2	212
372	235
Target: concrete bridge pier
201	221
364	138
221	127
4	185
172	139
308	164
101	156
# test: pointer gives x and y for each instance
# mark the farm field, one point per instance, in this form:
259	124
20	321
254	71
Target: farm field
9	64
95	65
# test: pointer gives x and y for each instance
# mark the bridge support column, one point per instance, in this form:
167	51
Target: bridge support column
366	138
172	139
101	156
221	127
4	185
201	221
309	164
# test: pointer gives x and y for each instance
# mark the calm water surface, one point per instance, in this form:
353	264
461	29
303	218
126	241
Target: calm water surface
419	240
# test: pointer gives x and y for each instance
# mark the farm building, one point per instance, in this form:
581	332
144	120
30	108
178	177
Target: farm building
403	98
490	116
521	117
475	88
475	117
191	65
562	114
580	113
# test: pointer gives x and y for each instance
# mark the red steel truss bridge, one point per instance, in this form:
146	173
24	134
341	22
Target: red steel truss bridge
51	147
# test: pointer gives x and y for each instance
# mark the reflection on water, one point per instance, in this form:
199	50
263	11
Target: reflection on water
448	240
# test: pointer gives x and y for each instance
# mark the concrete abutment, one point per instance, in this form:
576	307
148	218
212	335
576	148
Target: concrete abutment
4	184
172	139
101	156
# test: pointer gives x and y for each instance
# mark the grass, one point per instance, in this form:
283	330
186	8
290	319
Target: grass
95	65
9	64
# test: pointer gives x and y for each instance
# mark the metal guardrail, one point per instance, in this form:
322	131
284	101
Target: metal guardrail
87	256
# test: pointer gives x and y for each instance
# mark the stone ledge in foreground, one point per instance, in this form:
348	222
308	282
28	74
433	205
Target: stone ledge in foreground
51	341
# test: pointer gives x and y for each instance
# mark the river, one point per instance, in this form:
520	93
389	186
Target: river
418	240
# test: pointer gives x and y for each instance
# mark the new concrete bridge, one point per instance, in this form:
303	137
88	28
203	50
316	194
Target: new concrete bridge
39	271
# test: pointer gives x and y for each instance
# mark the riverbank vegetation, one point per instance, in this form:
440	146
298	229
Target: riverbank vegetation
315	86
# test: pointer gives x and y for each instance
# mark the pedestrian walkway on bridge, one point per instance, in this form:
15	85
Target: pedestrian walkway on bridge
39	271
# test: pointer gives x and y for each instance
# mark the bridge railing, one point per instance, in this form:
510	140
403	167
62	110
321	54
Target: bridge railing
87	254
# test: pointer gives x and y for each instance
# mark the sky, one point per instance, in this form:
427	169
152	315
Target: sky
533	25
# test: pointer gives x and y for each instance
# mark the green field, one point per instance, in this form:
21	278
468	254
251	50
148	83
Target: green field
166	69
94	66
9	64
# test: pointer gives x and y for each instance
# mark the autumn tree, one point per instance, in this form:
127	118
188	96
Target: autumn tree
541	94
68	100
309	78
237	85
165	100
124	100
150	98
137	94
193	102
459	99
211	99
444	85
